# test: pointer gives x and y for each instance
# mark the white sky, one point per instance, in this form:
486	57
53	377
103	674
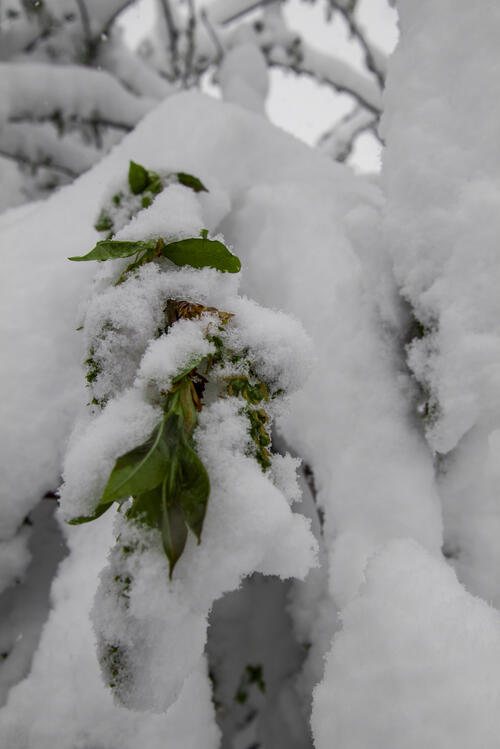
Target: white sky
298	104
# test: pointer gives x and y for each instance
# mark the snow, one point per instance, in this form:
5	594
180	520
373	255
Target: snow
243	77
441	227
40	89
415	663
400	431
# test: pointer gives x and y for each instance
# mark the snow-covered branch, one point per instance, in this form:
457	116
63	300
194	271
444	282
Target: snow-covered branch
135	74
39	146
339	141
375	59
36	91
302	58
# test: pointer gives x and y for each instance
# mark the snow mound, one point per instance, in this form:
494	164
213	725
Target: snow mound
415	664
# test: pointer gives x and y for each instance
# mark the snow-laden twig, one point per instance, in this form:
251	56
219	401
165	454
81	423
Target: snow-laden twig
173	36
302	58
36	91
338	142
38	146
375	59
134	72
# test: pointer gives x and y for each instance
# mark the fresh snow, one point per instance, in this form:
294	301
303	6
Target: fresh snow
376	306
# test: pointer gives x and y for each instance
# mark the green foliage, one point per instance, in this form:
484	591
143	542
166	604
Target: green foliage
201	252
189	181
141	188
138	178
108	249
254	391
104	222
163	481
93	367
164	476
198	252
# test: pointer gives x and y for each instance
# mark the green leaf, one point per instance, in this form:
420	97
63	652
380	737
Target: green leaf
189	181
188	368
155	186
200	252
104	222
173	529
146	508
100	510
193	489
142	468
108	249
138	178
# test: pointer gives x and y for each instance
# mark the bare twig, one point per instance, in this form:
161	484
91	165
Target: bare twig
190	34
173	35
311	483
223	19
339	141
327	69
41	164
77	120
87	32
359	35
213	36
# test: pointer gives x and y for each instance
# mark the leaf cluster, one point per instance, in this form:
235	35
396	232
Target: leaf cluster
197	252
255	393
164	476
145	184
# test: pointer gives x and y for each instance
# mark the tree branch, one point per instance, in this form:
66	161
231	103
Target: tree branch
223	12
84	17
190	34
373	56
40	146
305	60
213	36
38	90
173	35
339	141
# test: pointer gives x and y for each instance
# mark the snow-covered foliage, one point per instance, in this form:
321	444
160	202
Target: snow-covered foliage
357	606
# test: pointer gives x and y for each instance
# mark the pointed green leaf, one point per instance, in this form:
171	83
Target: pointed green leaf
146	508
173	530
138	178
141	469
154	185
104	222
188	368
108	249
189	181
193	489
100	510
200	252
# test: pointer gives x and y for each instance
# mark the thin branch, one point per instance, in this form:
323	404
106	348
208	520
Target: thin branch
305	60
41	164
213	36
225	14
173	35
190	34
358	34
311	483
77	120
339	141
108	24
84	16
